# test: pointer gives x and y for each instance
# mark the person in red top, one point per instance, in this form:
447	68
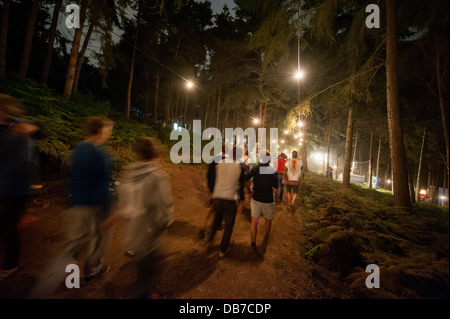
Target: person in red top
279	165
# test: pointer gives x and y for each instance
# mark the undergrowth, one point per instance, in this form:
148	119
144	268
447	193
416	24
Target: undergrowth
349	228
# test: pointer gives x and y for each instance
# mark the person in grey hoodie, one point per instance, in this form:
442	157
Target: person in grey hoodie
145	202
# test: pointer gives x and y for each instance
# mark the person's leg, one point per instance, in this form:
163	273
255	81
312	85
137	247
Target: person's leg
147	273
281	188
11	215
288	190
256	213
209	214
98	242
230	217
277	193
253	230
268	215
219	210
78	234
294	194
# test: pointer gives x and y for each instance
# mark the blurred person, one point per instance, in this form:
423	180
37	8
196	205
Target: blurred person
17	164
279	165
293	174
89	182
265	184
145	201
227	179
210	182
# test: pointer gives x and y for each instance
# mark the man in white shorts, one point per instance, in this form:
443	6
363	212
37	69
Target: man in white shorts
265	184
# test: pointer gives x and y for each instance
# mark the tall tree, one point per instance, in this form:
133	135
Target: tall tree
71	68
420	165
80	59
398	160
348	149
51	42
29	39
4	35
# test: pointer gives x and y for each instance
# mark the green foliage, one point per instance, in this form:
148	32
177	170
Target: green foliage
60	121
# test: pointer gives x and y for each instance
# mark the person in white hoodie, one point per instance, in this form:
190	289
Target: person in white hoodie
145	201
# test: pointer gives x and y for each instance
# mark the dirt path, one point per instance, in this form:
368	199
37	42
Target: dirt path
190	271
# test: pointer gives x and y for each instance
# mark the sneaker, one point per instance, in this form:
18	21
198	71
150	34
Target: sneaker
6	273
223	253
102	271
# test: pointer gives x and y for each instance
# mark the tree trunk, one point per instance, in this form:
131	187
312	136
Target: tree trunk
4	35
329	139
29	39
420	165
378	157
443	108
348	149
371	156
133	60
51	42
398	159
411	187
429	183
338	150
444	198
353	167
155	107
219	97
80	59
71	68
274	116
185	110
305	153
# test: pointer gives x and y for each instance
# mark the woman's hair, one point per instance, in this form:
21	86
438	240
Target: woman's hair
147	148
294	154
94	124
10	106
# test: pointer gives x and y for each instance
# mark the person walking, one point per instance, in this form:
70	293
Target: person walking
210	179
17	164
280	164
227	178
145	201
293	174
89	182
265	184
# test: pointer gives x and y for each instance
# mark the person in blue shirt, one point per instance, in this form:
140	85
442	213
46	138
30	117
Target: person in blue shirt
265	185
89	182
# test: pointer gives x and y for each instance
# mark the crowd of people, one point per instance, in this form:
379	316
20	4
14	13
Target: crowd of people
144	200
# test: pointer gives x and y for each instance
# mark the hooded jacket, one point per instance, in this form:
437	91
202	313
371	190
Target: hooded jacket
145	201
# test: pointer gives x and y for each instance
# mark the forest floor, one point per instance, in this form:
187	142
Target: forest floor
190	271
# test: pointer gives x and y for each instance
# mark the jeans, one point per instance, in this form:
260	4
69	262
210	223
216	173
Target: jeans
224	210
280	190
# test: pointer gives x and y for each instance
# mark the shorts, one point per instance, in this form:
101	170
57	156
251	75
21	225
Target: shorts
293	187
258	208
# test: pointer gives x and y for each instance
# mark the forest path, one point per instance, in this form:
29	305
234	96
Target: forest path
190	271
